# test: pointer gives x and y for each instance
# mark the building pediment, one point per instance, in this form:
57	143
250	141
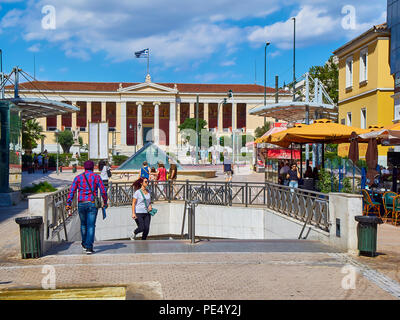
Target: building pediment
148	87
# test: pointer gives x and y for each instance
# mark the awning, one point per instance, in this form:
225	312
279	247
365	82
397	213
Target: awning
294	110
32	108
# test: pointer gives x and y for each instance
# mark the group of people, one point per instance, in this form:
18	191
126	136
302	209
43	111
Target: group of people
87	185
38	162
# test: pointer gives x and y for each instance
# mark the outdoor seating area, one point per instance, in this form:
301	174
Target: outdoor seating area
377	184
384	204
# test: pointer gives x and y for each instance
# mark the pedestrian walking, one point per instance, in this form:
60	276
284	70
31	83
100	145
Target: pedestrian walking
227	167
141	205
87	184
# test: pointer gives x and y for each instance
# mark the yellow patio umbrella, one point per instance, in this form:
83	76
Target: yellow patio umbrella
390	134
320	131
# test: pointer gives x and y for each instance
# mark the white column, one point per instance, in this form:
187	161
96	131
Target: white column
172	125
205	109
234	117
123	123
156	130
139	121
220	118
103	111
192	110
88	113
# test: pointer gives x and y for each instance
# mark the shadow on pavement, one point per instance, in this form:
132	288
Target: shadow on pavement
8	212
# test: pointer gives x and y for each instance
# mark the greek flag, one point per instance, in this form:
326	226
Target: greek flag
142	54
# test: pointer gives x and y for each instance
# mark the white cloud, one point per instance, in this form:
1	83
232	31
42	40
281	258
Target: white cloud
317	22
228	63
182	32
34	48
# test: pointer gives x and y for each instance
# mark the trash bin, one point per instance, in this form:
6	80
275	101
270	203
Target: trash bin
367	234
30	236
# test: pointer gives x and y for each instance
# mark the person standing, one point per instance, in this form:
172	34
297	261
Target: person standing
144	171
40	161
162	178
87	184
104	170
45	162
141	205
293	176
283	172
173	174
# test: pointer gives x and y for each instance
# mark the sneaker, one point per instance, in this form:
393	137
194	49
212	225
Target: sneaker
83	248
133	236
89	251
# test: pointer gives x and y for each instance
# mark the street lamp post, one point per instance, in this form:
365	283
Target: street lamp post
1	76
139	126
58	151
265	77
294	59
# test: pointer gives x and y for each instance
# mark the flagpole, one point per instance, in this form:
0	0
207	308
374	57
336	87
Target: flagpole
148	57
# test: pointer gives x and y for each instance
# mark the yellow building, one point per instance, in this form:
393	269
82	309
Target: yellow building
365	84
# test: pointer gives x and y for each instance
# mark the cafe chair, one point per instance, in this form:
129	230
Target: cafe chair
396	209
388	198
369	206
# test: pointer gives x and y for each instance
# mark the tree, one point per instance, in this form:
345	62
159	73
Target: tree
329	76
259	132
189	125
31	132
66	140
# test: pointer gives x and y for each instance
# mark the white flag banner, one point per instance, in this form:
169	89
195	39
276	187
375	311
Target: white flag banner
98	140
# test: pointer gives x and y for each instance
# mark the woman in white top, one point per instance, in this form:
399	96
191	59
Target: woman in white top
103	168
141	205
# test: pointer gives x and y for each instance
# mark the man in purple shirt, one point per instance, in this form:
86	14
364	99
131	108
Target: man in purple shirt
86	205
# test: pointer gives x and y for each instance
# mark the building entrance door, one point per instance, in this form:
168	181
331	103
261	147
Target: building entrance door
147	134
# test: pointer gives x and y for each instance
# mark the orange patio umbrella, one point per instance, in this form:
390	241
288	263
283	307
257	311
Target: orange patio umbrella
391	134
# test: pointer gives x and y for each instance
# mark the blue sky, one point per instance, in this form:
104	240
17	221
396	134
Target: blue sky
209	41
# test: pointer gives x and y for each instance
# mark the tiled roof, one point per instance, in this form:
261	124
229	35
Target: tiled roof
380	28
114	86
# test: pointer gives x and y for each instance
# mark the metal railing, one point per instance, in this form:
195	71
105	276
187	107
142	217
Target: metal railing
303	205
56	216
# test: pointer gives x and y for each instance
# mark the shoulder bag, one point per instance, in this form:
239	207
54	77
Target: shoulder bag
152	211
109	174
97	201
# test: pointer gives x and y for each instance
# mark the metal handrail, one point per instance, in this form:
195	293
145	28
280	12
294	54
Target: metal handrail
297	203
56	216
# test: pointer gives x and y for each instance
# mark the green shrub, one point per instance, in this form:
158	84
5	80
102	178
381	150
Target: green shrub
118	160
39	188
82	158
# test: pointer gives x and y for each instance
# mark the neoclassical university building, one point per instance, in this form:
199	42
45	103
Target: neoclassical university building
132	110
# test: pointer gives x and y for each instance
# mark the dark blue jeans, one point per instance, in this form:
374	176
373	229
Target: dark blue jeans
88	214
143	223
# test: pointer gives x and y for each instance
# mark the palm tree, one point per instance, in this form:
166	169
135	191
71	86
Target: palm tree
31	132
